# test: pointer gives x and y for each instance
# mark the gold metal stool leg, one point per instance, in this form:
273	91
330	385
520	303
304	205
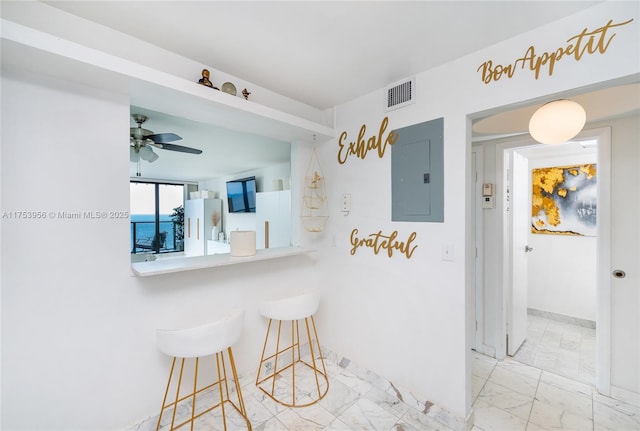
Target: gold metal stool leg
267	383
222	379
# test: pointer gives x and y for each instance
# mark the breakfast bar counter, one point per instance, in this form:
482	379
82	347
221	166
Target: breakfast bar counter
167	265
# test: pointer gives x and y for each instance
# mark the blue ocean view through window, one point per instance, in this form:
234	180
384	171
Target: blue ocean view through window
144	224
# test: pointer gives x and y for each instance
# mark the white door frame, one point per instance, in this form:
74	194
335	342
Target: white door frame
478	320
476	186
603	287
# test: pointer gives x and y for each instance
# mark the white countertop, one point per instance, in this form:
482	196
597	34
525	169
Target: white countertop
188	263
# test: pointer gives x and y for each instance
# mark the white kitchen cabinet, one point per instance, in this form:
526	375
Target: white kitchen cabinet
197	224
274	208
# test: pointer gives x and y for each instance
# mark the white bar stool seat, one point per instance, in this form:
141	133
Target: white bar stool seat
307	382
197	343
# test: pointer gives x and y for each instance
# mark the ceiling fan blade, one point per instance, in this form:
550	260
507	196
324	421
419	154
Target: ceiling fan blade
161	138
180	148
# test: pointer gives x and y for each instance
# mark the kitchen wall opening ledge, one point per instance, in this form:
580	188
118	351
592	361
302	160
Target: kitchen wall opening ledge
179	264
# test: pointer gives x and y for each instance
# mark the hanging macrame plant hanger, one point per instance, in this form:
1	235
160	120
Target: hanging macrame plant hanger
315	209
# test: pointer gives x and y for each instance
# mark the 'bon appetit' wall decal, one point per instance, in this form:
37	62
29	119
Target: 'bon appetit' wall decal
585	42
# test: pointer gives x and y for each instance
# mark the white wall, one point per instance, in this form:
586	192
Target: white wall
562	269
417	308
78	329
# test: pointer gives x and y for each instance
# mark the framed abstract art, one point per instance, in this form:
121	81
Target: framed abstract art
564	200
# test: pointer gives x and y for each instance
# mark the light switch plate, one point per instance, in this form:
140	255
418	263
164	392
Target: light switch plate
447	252
346	202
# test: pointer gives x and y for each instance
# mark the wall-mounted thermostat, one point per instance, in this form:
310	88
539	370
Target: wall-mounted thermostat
488	200
487	189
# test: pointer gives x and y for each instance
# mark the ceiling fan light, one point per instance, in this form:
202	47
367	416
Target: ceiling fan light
557	122
146	153
133	155
153	157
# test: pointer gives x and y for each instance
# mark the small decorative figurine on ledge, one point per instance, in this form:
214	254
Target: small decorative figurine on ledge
245	93
205	79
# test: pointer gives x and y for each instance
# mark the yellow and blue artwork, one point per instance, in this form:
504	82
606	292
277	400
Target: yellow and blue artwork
564	200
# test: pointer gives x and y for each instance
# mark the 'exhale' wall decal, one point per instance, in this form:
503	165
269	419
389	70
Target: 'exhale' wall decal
360	147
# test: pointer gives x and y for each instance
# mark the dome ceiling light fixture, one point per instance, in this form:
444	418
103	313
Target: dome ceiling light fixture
557	121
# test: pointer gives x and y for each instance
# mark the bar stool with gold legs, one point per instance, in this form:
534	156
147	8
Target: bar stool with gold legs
206	343
292	371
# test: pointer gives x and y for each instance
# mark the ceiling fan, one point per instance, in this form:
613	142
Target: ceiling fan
142	140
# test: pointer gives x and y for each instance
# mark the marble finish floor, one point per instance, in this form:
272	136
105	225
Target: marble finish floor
352	403
562	348
507	396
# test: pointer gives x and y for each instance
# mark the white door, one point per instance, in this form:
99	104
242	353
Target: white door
622	293
519	226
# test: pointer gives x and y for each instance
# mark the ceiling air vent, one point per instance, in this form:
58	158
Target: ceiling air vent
400	94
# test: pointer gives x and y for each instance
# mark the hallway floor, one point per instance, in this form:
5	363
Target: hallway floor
562	348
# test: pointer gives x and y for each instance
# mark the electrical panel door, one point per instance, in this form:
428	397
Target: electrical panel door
417	173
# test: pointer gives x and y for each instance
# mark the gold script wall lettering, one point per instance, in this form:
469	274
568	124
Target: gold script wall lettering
586	42
378	241
360	147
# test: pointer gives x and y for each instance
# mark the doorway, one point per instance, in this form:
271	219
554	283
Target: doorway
551	275
509	316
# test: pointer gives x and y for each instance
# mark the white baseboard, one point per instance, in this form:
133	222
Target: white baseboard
586	323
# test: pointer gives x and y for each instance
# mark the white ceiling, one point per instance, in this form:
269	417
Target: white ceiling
224	152
323	53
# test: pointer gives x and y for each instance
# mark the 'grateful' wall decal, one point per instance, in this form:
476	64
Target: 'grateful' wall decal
586	42
360	147
389	243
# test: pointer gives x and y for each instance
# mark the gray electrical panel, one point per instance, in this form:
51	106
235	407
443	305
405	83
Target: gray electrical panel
417	173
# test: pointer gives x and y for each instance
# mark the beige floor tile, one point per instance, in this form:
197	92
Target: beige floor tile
490	418
514	381
616	415
506	399
550	416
